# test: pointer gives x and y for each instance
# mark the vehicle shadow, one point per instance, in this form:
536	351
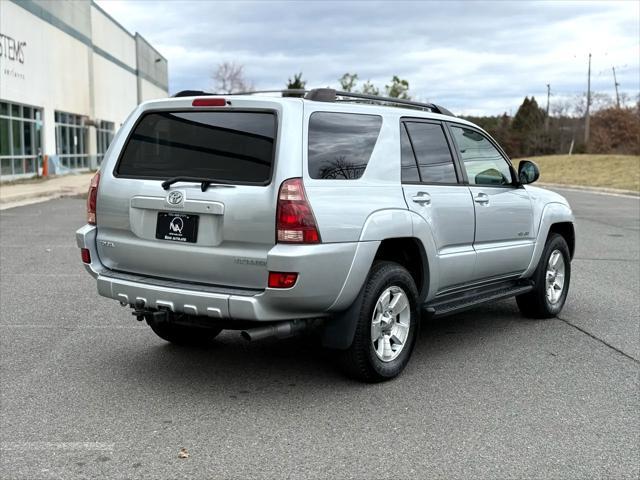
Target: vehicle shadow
230	361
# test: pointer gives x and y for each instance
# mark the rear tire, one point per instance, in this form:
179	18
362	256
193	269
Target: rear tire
387	325
181	334
551	278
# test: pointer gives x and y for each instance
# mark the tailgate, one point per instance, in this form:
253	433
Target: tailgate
219	236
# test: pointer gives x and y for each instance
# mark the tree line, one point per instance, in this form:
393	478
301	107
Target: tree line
558	129
614	128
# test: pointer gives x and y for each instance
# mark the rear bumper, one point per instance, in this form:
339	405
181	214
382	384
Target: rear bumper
330	276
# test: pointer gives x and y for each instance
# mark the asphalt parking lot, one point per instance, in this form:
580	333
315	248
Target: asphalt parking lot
87	391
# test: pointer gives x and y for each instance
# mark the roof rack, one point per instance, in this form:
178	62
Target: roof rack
332	95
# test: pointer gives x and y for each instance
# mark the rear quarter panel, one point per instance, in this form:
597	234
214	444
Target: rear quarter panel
342	207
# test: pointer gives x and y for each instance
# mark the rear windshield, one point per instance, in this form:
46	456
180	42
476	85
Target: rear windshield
229	146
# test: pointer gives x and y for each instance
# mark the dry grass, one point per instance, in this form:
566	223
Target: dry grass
611	171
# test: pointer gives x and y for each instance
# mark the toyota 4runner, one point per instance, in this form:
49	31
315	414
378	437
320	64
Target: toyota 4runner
351	213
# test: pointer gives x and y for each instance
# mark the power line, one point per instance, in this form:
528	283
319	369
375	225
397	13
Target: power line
586	117
616	84
546	119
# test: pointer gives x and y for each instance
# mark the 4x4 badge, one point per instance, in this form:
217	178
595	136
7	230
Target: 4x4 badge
175	198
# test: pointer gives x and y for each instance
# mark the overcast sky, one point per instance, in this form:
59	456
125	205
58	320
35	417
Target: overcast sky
472	57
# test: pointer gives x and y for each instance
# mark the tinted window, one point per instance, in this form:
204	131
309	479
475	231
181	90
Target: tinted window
340	144
482	161
409	166
232	146
432	152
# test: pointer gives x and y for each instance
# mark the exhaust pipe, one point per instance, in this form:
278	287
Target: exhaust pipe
284	329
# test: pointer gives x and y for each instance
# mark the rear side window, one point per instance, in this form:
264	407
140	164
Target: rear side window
435	162
409	165
340	144
229	146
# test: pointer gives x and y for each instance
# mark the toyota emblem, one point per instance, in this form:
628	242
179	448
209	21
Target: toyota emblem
175	198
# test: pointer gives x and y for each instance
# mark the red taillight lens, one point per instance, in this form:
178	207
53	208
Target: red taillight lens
92	198
282	279
295	222
86	255
209	102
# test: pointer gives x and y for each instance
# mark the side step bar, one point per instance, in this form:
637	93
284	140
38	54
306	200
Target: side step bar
454	303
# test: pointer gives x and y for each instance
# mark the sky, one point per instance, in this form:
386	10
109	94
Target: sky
474	58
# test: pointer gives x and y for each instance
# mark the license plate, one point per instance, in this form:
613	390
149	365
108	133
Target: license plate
177	227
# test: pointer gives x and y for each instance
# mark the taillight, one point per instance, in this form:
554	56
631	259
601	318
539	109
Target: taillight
295	222
209	102
92	198
85	254
282	279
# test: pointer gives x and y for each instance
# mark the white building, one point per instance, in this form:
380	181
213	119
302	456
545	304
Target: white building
69	76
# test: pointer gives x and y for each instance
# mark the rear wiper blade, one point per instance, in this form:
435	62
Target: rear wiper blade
204	182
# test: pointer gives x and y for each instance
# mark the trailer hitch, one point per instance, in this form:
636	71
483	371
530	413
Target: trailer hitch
141	313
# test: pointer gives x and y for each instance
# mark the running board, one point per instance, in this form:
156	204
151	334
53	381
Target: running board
457	302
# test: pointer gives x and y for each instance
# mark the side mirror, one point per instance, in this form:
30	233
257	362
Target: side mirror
528	172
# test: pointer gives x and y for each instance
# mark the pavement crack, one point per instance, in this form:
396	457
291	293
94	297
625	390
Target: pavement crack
621	352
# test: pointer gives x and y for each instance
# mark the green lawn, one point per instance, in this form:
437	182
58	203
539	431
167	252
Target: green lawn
612	171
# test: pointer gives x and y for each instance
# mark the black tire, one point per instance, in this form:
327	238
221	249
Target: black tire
181	334
360	360
535	303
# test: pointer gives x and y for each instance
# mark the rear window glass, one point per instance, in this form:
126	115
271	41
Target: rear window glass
230	146
340	144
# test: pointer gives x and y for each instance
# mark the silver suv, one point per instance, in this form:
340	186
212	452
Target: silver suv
349	213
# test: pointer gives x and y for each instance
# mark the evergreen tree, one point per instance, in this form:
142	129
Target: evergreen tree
528	129
348	82
295	84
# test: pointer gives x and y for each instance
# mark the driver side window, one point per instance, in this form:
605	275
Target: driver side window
482	161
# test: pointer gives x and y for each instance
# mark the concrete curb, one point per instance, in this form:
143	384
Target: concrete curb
21	200
601	190
24	194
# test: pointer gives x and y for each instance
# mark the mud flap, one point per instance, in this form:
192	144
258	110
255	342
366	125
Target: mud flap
340	329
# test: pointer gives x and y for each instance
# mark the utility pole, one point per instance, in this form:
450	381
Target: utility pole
586	117
616	84
546	119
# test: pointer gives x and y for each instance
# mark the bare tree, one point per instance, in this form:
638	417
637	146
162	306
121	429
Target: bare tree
229	78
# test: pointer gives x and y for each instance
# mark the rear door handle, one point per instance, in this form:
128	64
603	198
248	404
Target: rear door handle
422	198
481	198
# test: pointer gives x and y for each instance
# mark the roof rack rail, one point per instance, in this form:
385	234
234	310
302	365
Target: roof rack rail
196	93
332	95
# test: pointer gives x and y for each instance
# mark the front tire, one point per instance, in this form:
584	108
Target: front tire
387	325
180	334
551	280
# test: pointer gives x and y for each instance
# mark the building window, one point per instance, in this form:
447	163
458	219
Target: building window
105	136
72	140
20	139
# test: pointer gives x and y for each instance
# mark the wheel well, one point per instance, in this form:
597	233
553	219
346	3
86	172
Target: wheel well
409	253
567	231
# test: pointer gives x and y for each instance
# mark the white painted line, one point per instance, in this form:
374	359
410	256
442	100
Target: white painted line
74	327
68	446
550	186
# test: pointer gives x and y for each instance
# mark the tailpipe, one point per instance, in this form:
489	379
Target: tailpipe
284	329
